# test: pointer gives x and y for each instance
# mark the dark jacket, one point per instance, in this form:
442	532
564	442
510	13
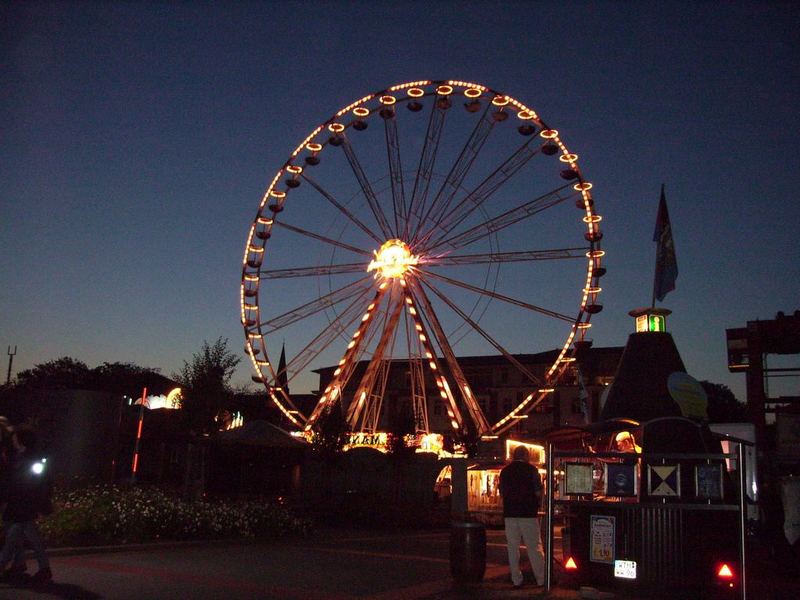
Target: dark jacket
29	490
521	488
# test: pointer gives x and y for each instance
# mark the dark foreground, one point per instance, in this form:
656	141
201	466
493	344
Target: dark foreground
328	565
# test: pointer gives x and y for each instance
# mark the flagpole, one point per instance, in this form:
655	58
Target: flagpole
655	268
653	303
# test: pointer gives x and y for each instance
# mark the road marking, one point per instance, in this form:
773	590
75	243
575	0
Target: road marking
393	556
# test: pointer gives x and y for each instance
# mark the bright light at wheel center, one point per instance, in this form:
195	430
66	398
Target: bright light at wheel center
393	259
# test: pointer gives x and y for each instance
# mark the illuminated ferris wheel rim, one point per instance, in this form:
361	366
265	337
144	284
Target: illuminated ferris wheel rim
402	255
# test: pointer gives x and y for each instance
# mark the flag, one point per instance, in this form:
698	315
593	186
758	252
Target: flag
666	263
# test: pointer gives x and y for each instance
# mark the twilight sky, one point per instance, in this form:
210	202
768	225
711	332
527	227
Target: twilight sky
137	138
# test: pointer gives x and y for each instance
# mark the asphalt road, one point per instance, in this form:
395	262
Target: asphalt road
330	564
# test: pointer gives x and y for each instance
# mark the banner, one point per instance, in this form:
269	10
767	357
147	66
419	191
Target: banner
666	262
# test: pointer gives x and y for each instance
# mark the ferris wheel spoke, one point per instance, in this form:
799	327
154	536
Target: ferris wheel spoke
425	344
325	338
336	269
395	172
340	207
427	159
356	288
462	210
510	217
365	401
499	296
416	375
464	389
443	297
366	188
504	257
322	238
371	418
361	338
458	172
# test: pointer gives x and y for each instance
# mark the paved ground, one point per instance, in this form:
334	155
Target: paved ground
329	565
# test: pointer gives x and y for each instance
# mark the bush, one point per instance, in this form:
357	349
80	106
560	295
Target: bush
106	514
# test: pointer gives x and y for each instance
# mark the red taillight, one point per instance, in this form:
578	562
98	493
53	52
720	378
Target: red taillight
570	565
725	572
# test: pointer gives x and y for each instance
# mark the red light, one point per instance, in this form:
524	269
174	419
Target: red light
725	572
570	565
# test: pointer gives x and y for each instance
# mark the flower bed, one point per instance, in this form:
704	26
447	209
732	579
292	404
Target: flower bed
113	514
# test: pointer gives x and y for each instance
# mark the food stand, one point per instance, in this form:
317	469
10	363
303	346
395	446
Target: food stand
484	503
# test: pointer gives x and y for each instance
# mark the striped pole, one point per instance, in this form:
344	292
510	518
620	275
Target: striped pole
138	437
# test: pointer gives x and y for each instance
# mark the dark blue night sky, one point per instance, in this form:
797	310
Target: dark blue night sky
136	140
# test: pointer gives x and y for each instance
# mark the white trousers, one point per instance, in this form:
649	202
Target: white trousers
527	529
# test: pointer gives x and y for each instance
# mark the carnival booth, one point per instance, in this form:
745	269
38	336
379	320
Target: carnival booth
484	502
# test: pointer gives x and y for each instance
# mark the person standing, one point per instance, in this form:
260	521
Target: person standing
521	489
7	452
27	497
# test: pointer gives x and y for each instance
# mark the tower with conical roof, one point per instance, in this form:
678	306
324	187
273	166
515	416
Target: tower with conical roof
640	391
281	376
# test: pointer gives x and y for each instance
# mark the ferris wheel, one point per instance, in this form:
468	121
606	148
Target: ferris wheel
428	221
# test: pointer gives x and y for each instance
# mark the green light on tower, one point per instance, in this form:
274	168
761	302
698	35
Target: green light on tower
650	320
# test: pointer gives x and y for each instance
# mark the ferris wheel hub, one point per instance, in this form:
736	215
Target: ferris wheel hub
392	259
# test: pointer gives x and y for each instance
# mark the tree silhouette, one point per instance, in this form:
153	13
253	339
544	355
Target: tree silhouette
62	373
723	407
68	373
205	383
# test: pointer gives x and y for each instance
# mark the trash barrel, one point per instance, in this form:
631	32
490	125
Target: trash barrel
467	551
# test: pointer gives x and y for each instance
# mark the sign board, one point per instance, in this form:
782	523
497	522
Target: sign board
579	480
620	479
689	394
602	539
664	480
708	481
375	440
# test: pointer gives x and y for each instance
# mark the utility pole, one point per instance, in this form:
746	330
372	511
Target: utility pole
10	361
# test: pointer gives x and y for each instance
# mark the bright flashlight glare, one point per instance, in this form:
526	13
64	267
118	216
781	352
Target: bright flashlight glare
37	468
393	259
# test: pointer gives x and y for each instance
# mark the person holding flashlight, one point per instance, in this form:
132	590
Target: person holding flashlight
27	497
